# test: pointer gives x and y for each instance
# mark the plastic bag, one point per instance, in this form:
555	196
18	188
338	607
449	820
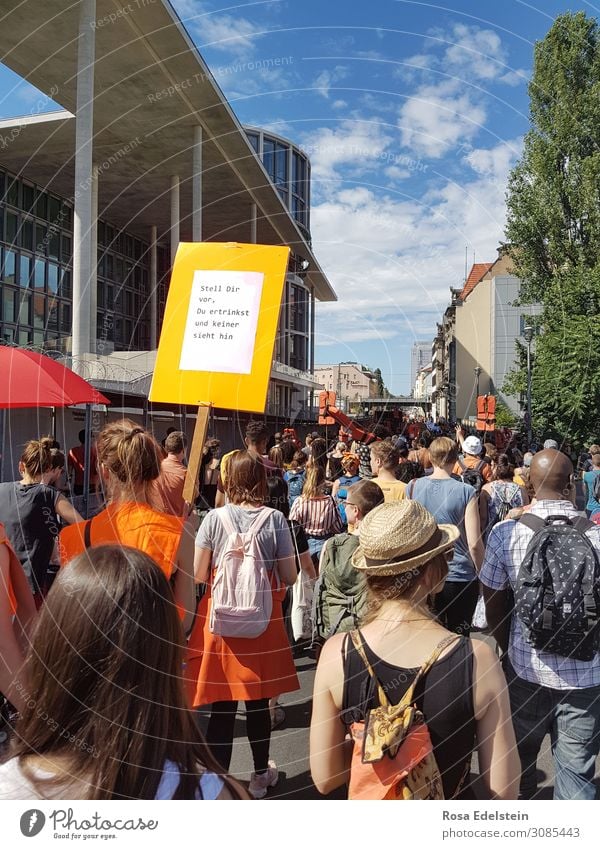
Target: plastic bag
302	596
479	620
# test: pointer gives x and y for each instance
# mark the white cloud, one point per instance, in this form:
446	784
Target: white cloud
230	33
353	144
327	79
515	78
396	173
477	51
437	117
391	259
339	104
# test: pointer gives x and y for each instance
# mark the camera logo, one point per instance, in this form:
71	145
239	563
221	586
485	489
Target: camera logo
32	822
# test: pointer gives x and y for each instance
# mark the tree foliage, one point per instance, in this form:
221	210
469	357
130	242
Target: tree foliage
553	225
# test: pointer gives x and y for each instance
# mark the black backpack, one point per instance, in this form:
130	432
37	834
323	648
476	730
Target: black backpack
596	488
473	477
557	595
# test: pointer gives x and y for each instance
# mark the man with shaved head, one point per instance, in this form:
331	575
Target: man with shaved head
549	693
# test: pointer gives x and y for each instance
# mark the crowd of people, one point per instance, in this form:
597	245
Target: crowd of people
119	632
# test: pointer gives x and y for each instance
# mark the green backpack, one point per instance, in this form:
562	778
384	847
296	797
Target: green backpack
340	595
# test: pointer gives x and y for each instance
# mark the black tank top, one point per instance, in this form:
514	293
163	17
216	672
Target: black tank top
444	695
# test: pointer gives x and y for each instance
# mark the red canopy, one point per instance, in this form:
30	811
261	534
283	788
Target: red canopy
28	379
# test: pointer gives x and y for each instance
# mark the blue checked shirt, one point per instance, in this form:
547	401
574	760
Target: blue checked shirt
504	553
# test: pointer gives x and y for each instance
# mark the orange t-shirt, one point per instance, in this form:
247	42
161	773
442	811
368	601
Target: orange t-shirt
472	462
129	523
11	593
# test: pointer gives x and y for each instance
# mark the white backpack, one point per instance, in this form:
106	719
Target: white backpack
242	598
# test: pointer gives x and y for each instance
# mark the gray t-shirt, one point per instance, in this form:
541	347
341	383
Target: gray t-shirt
274	536
447	499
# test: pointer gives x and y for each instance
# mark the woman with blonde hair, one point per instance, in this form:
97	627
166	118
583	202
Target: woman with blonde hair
314	510
129	461
461	693
104	713
30	511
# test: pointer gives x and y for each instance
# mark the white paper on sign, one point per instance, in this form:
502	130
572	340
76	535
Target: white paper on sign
220	330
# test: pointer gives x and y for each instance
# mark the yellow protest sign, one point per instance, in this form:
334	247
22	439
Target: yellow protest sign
218	333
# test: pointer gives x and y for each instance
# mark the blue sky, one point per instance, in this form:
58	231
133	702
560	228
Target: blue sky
412	114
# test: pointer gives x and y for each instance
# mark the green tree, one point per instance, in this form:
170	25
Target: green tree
381	390
553	225
504	415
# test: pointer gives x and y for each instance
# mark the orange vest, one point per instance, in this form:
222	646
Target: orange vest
130	523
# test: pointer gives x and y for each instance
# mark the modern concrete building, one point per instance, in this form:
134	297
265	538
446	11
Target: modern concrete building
352	383
145	153
420	356
474	348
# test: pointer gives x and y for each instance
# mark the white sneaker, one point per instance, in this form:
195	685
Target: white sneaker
259	784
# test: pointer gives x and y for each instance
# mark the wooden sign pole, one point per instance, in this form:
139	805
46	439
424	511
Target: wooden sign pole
190	488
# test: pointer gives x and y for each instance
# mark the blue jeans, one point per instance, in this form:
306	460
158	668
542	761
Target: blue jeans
572	718
315	546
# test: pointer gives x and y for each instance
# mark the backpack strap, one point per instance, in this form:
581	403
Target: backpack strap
358	642
534	523
480	465
462	465
259	521
411	488
583	525
226	520
87	534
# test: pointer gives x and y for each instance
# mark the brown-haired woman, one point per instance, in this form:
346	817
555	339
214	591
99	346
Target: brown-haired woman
314	510
463	696
29	510
500	495
128	463
106	716
223	670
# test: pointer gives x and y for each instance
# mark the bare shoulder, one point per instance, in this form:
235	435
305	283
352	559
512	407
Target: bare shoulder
332	649
483	653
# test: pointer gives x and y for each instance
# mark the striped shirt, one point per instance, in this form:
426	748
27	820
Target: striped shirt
504	554
318	516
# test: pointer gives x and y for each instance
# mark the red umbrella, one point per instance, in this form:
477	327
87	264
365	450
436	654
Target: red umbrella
28	379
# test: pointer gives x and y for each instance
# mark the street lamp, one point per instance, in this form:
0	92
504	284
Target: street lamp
477	371
528	336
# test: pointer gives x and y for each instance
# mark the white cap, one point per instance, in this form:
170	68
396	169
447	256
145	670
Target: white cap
472	445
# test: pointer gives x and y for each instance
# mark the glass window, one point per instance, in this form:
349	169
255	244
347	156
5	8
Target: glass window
38	338
100	293
53	314
65	249
65	283
8	304
40	239
109	266
253	139
52	278
8	272
25	309
24	271
66	212
39	274
39	307
12	195
118	330
11	227
101	264
27	234
24	337
41	205
65	318
28	197
269	157
109	298
53	209
118	270
128	302
281	156
8	334
53	243
128	269
101	233
137	249
110	235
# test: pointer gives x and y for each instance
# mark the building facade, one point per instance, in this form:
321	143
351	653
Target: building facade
420	356
475	345
352	382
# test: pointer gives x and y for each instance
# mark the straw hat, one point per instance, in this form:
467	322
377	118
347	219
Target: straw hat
398	536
